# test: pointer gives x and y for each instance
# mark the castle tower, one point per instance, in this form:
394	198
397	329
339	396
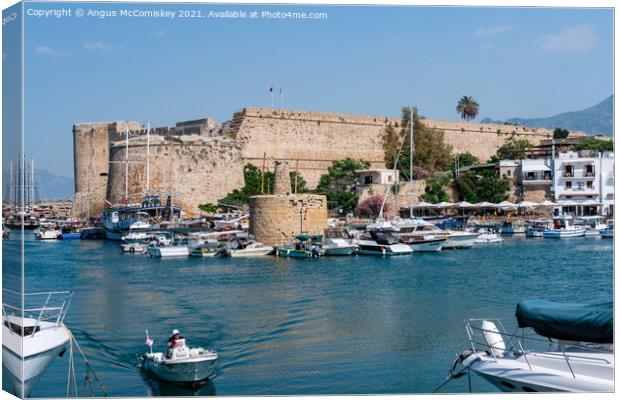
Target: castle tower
282	184
275	218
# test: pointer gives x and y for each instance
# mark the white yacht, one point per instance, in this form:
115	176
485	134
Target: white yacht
251	249
571	349
593	224
376	243
564	227
48	234
31	343
456	239
168	251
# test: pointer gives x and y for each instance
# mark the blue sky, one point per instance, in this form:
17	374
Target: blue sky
517	62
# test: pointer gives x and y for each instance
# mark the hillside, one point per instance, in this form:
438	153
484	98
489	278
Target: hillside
595	120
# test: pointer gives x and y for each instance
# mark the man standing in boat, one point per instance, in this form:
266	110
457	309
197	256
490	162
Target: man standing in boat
175	341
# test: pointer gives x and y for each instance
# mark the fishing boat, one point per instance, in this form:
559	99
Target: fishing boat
487	236
207	250
513	227
377	243
33	335
569	350
182	365
250	249
302	246
537	228
564	227
92	234
338	242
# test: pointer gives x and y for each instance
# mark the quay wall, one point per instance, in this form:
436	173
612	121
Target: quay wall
208	159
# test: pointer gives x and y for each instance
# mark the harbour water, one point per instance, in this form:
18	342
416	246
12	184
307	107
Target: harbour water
302	326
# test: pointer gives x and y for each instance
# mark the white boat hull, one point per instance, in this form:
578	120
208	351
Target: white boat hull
171	251
252	252
181	371
340	250
430	246
460	240
549	372
564	233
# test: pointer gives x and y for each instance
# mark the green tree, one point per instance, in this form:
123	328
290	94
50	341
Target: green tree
559	133
430	149
434	191
467	107
591	143
208	208
338	184
483	185
464	160
252	185
512	149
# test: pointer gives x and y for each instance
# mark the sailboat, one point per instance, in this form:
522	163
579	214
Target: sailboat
22	194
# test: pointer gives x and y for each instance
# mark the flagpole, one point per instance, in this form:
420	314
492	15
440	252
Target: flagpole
150	345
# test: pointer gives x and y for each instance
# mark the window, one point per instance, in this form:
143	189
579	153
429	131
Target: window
568	171
589	184
508	172
546	175
531	176
368	180
568	185
389	178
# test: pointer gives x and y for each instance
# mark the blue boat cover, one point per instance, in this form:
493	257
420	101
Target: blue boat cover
568	321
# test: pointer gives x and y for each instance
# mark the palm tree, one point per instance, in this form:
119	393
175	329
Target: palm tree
467	107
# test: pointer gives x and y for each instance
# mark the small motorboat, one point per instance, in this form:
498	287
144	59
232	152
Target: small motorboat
168	251
181	365
338	242
569	350
44	233
205	250
537	228
250	249
609	232
487	236
376	243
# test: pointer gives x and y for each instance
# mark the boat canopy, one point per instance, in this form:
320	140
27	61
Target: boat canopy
303	237
568	321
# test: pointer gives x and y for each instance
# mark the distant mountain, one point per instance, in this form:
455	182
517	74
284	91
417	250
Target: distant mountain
48	186
595	120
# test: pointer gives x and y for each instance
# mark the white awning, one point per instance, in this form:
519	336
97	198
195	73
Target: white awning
533	167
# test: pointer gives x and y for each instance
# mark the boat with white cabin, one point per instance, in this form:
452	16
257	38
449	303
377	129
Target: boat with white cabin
251	249
378	243
338	242
513	227
33	335
455	239
487	236
564	227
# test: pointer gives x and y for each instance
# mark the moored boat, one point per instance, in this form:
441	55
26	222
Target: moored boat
303	246
571	350
375	243
250	249
564	227
338	242
33	335
513	227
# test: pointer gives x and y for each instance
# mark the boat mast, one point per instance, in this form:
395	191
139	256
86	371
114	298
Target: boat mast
411	164
32	183
126	162
148	153
11	185
170	168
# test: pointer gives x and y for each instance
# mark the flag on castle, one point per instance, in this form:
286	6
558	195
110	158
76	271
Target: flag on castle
271	89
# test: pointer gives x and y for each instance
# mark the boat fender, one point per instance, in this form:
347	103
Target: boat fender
493	338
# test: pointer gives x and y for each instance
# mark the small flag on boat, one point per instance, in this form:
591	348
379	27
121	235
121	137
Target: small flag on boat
271	88
149	341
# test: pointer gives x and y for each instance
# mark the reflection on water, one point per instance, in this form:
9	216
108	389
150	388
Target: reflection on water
285	326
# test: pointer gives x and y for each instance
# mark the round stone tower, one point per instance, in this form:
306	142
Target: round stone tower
275	219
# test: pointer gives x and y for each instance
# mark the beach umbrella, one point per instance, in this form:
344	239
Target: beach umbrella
485	204
424	204
527	204
567	203
546	203
506	204
590	203
464	204
444	204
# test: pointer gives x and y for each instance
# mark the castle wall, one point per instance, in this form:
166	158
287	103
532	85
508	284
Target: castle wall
208	160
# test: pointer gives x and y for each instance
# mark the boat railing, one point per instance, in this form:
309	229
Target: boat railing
46	309
522	338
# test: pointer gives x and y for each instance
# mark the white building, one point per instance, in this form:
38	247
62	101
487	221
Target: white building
377	177
585	178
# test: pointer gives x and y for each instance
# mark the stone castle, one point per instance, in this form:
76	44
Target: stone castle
201	161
